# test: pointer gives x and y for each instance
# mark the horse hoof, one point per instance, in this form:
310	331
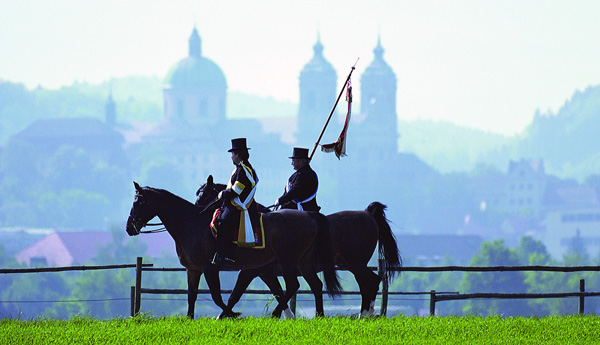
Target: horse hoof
366	314
372	307
276	314
228	315
288	314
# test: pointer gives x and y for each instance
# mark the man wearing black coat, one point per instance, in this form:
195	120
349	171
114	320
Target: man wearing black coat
301	190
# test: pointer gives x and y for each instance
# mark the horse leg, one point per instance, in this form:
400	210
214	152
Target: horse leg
292	285
316	287
270	279
374	280
214	285
243	280
368	284
193	280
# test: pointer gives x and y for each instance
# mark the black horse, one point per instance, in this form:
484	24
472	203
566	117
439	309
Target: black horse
293	240
354	236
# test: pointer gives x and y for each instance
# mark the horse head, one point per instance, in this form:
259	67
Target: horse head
141	212
208	192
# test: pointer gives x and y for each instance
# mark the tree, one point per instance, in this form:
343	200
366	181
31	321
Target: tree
494	253
427	281
594	182
105	294
576	251
66	189
30	295
529	247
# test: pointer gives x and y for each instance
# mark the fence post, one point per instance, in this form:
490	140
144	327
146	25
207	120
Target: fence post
132	300
138	285
432	300
384	287
581	298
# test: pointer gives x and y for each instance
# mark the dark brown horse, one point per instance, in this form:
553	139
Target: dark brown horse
293	240
354	237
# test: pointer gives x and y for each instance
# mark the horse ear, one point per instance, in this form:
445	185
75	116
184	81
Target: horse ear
137	186
209	180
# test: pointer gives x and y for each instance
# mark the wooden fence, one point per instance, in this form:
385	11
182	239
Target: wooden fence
138	266
69	268
435	297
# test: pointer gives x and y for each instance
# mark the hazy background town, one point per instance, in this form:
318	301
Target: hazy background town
484	150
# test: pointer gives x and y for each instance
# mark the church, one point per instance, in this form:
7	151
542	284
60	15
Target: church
195	132
373	169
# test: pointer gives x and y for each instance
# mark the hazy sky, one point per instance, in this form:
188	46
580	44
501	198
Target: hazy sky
484	64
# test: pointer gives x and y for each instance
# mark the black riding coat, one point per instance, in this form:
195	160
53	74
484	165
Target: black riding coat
240	190
301	186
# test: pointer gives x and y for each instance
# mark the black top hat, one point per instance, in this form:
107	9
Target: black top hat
300	153
238	144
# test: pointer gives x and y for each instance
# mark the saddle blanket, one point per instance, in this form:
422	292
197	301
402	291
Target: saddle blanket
259	232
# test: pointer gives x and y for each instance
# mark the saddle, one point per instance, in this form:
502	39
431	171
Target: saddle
238	240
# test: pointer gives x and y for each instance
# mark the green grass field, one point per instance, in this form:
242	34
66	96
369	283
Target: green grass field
335	330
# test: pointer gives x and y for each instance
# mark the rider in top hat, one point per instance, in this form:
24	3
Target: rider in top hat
301	190
238	203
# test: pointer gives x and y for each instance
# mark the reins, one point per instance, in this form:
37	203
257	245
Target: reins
163	229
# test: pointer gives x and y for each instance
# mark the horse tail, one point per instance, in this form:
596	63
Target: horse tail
388	248
325	256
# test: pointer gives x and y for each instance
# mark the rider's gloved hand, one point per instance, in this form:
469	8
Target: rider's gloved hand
226	194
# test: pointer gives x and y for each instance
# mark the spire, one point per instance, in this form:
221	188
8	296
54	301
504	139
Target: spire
195	44
318	47
378	51
110	110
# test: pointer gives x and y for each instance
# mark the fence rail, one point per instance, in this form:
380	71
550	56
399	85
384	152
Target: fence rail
137	290
438	297
435	296
499	269
69	268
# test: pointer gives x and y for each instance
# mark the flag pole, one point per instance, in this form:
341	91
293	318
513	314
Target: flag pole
332	110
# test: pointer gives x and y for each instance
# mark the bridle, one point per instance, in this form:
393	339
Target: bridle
138	224
212	189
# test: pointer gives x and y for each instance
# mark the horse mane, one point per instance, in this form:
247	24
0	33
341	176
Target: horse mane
169	194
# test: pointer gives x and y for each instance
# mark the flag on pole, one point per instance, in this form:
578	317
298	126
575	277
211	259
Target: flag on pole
339	146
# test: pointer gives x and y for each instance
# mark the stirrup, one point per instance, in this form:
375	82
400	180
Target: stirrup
221	259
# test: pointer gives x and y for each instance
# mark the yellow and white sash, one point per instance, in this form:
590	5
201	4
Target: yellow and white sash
245	233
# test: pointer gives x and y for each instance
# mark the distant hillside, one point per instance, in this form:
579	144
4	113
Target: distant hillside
448	147
567	140
137	98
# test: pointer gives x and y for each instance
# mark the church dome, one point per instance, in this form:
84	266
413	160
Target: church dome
195	71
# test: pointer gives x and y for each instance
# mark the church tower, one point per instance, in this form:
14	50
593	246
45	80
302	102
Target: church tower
378	106
372	141
110	111
317	93
195	88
